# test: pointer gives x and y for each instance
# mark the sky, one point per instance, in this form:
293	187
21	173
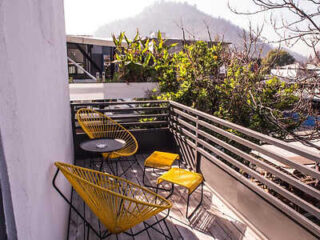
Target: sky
86	16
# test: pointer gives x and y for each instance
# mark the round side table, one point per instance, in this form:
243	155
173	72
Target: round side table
103	145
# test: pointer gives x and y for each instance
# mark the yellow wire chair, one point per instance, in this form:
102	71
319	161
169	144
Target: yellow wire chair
118	203
97	125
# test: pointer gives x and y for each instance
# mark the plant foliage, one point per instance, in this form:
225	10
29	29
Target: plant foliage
208	77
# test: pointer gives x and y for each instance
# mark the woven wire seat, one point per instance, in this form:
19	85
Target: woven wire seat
118	203
97	125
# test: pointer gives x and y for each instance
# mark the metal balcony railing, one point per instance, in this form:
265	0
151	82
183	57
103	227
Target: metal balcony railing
203	137
132	115
229	146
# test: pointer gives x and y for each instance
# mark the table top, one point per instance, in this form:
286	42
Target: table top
102	145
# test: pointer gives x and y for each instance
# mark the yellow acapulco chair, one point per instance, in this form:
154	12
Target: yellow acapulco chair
97	125
118	203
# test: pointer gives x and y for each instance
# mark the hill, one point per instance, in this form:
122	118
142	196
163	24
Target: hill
168	16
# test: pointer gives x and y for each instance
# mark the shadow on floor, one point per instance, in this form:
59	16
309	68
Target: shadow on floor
216	224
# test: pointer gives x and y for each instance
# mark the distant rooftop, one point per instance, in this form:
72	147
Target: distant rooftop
88	39
85	39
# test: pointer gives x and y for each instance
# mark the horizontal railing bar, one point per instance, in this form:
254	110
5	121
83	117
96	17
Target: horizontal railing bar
289	179
285	193
313	155
278	203
136	123
135	116
129	121
194	119
122	119
119	103
191	144
81	132
144	123
132	109
184	123
185	131
247	143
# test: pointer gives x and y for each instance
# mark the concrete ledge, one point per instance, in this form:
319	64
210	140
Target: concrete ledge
99	91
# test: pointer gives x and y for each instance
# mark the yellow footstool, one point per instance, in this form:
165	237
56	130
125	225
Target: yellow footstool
159	160
185	178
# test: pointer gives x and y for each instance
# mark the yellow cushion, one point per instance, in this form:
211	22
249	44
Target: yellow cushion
161	160
182	177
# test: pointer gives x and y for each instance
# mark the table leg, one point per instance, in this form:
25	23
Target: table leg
114	172
107	159
101	165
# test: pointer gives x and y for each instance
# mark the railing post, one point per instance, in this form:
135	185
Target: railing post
169	114
318	169
198	156
73	126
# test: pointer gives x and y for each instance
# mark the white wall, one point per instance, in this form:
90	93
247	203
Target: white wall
34	113
94	91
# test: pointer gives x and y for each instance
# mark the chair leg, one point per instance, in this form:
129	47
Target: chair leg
69	218
171	190
148	226
150	186
71	205
133	236
161	232
109	162
143	176
116	172
99	227
101	165
84	224
165	223
196	208
105	235
144	224
88	233
133	162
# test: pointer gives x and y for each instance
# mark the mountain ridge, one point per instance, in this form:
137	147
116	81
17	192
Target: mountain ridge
168	17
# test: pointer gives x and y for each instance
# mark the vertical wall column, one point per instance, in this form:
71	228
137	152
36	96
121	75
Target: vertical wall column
35	114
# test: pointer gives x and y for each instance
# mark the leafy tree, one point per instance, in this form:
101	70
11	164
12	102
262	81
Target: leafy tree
244	95
296	22
262	105
191	79
137	62
277	57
